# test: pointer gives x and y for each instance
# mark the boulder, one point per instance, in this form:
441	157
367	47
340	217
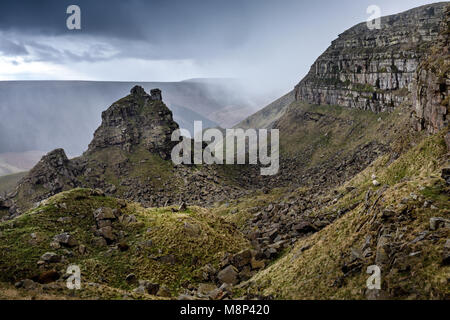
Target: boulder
436	223
65	239
208	273
82	249
48	277
182	207
127	219
241	259
205	288
150	288
164	292
304	227
26	284
131	279
123	246
245	274
99	242
168	259
156	94
104	214
107	234
228	275
104	223
51	257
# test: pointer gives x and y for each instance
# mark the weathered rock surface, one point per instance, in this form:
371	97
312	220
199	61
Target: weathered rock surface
138	119
228	275
432	82
66	239
373	69
53	174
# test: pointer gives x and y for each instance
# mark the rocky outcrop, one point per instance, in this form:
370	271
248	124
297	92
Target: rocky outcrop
431	84
53	173
129	157
138	119
373	69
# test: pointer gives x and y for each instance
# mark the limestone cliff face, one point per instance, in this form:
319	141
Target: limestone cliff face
373	69
138	119
431	84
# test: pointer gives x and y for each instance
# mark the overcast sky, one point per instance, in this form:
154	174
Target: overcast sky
269	44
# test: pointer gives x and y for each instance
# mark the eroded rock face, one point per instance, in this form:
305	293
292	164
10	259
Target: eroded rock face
53	173
373	69
138	119
53	169
431	84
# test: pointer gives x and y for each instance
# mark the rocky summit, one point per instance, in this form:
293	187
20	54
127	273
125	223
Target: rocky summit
137	120
363	183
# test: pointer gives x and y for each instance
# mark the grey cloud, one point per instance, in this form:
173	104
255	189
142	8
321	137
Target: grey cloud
11	48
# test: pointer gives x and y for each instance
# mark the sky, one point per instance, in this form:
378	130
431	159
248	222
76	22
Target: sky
268	44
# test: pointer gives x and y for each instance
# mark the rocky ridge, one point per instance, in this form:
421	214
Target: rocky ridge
129	157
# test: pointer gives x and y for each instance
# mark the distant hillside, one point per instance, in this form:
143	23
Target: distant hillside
9	182
13	162
44	115
266	117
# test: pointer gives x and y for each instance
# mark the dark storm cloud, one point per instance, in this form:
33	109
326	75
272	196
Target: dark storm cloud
198	27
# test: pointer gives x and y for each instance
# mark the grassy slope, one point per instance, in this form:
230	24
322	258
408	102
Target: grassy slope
142	165
109	267
324	131
338	133
267	116
310	274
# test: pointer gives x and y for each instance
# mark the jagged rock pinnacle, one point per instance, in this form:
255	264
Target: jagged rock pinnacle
138	119
138	91
156	94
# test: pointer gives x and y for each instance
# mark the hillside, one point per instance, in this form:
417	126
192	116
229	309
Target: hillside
9	182
116	246
398	224
265	118
14	162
